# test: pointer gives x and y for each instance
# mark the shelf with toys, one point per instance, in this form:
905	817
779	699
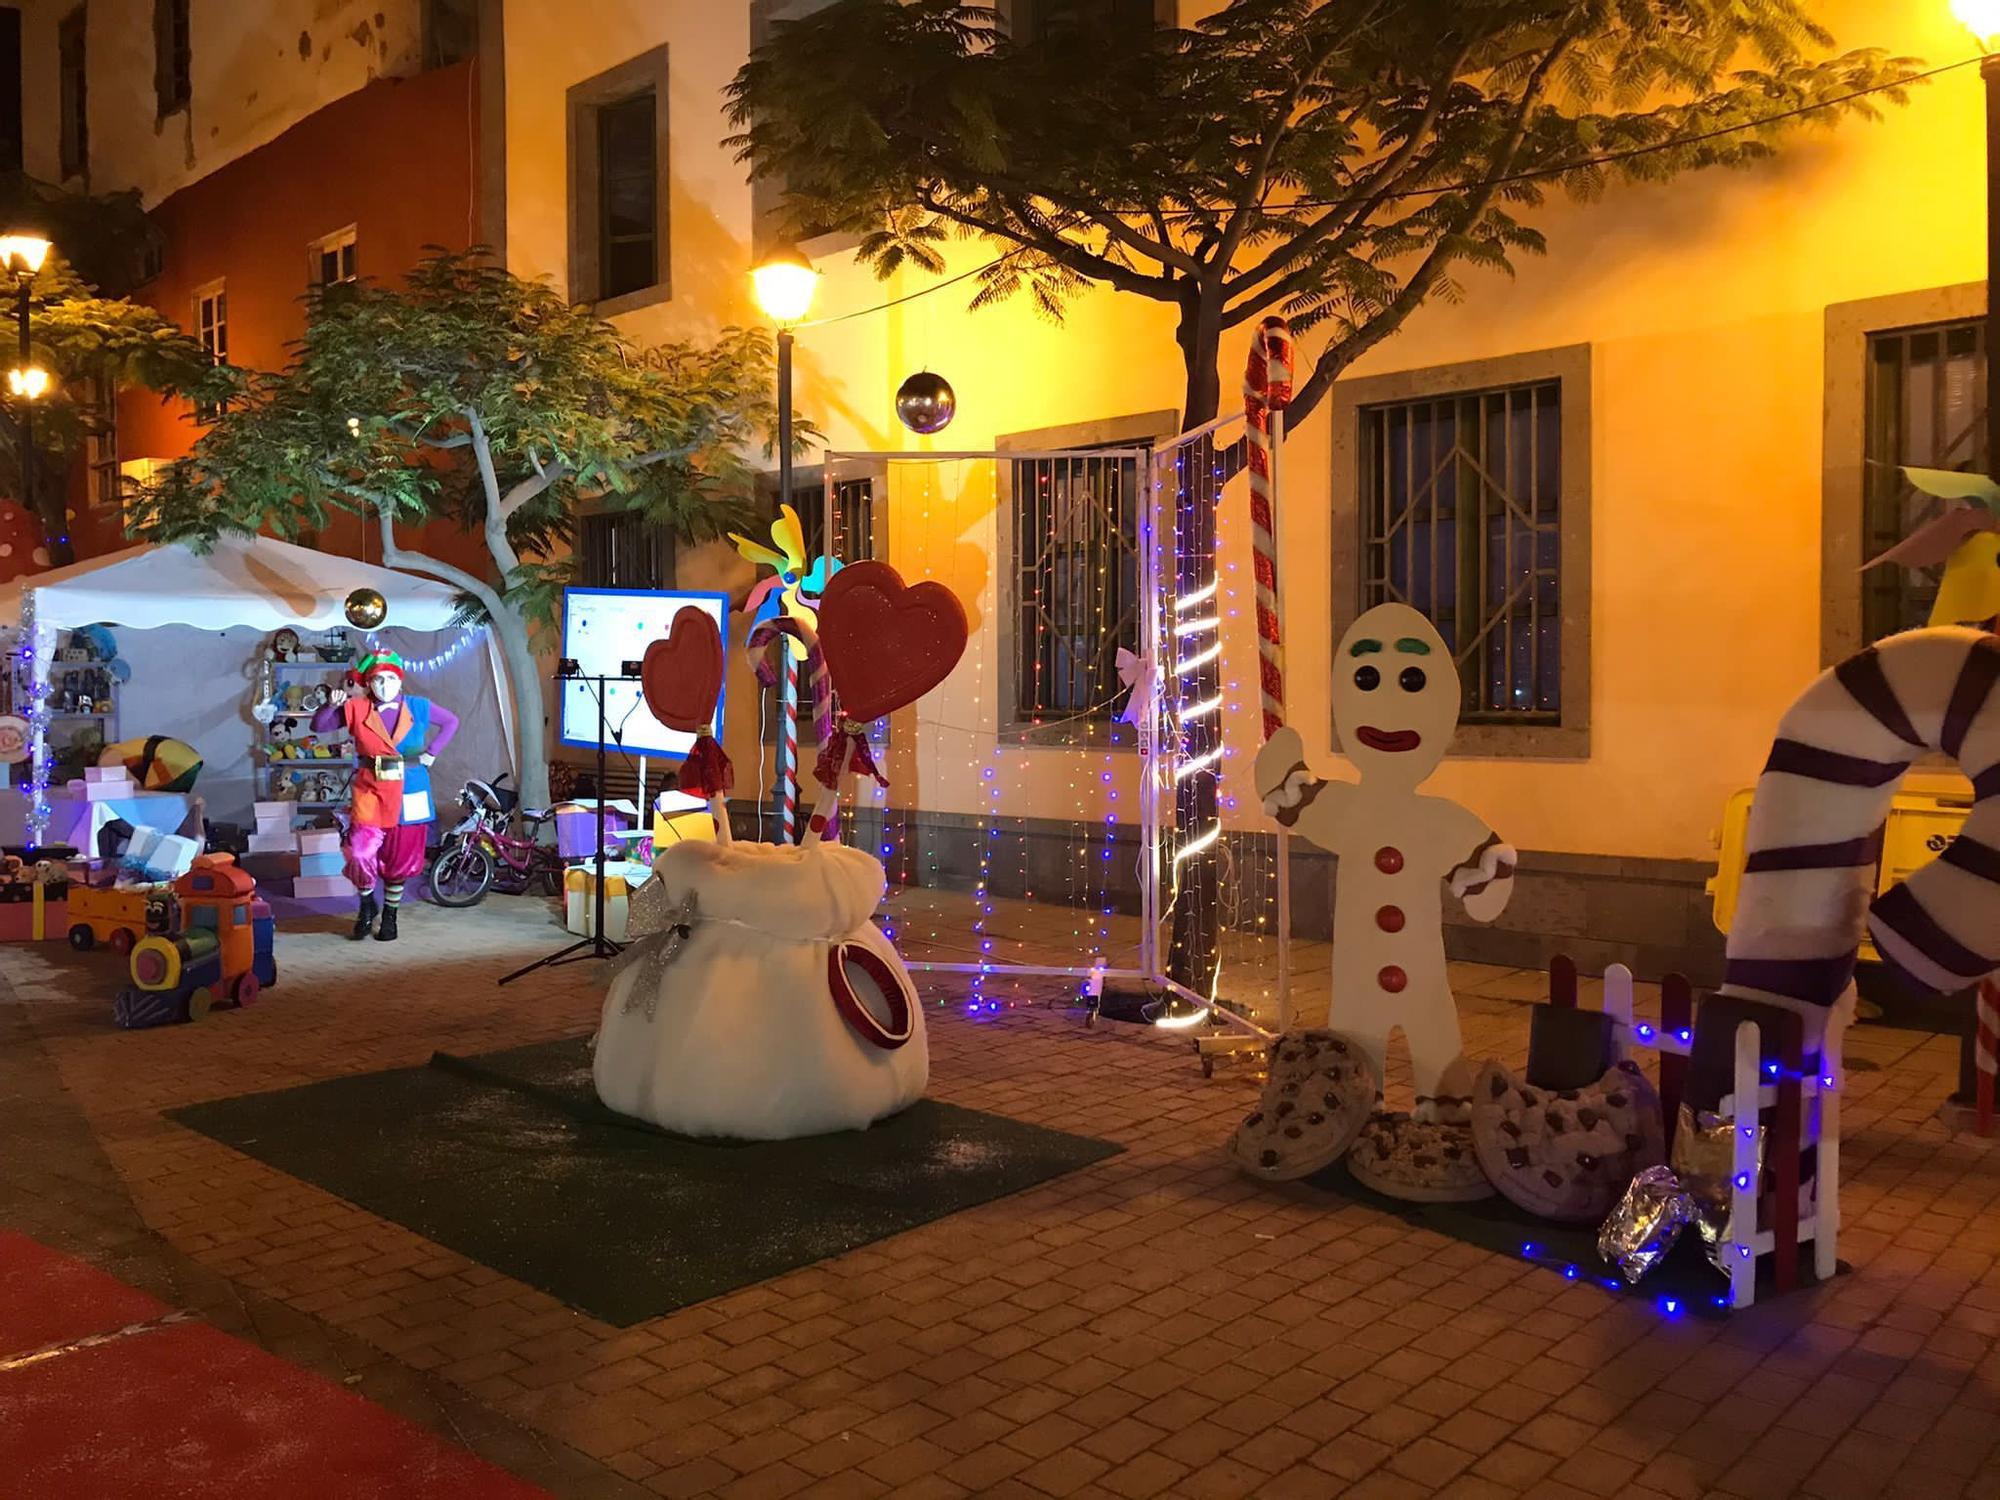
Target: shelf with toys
298	765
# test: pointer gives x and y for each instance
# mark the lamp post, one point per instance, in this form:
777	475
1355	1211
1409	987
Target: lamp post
784	282
1982	19
22	253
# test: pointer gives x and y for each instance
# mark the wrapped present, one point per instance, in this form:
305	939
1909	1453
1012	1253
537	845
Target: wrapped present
42	917
692	827
576	826
621	878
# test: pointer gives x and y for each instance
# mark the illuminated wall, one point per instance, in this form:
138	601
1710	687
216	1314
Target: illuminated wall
1703	303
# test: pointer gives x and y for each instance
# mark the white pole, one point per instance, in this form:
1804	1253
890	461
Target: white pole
1744	1120
1148	725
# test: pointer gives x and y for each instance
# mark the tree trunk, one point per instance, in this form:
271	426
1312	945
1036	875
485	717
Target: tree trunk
524	677
1195	887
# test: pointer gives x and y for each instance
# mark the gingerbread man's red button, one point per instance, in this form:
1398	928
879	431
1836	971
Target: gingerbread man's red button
1392	979
1390	919
1388	859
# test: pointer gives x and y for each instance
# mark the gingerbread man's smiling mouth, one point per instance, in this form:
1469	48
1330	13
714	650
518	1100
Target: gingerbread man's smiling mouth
1388	739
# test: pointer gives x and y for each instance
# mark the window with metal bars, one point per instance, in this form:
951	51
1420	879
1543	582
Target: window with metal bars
1076	585
334	260
1926	406
623	550
1461	519
107	478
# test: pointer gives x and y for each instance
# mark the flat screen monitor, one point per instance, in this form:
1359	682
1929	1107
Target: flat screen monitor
602	630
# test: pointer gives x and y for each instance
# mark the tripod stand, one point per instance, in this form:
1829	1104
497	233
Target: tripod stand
597	945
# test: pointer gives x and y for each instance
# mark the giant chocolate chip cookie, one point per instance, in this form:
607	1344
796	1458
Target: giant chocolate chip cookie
1322	1087
1566	1154
1424	1161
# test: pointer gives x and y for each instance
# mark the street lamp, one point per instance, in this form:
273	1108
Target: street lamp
22	252
784	281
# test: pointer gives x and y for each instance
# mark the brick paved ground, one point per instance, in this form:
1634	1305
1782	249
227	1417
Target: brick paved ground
1153	1325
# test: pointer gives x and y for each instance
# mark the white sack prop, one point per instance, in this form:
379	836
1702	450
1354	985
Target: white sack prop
782	1012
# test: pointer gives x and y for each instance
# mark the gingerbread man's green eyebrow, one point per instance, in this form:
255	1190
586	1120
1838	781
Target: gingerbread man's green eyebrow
1413	646
1363	648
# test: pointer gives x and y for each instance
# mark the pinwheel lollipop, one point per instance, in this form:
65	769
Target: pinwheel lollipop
793	591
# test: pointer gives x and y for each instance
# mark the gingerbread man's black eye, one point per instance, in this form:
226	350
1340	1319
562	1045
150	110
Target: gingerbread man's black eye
1367	679
1412	679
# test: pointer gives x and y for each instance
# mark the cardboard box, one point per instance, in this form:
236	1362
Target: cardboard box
106	773
110	791
274	812
272	843
332	863
319	841
322	887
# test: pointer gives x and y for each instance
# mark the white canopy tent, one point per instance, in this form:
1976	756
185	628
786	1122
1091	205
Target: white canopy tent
210	612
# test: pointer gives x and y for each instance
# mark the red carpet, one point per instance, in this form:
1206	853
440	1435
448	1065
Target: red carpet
182	1410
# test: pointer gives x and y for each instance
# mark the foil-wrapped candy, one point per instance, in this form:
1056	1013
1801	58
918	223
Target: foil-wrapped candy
1704	1158
1643	1227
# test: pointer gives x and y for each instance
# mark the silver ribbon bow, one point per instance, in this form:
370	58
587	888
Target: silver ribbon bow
663	928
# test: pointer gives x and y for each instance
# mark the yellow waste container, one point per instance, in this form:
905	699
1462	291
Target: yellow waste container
1921	823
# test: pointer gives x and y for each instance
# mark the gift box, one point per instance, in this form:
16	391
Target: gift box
319	841
322	887
118	774
121	790
576	826
621	878
682	828
30	922
153	856
331	862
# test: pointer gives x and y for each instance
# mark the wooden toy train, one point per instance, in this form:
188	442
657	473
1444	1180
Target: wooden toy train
218	951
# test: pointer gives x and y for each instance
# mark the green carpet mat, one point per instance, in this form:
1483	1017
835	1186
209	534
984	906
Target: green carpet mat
1683	1283
510	1160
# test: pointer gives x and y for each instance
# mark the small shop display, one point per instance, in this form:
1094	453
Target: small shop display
310	767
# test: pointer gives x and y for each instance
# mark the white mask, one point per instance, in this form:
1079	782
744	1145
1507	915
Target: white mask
384	687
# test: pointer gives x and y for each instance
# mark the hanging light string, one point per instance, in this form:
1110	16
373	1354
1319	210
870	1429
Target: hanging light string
469	636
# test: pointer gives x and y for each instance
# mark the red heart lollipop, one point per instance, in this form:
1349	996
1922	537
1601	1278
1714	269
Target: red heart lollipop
682	675
887	644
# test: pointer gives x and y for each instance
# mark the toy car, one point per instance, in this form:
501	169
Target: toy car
220	951
118	917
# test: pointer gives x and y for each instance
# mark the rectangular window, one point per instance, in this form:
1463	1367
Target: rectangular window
853	521
211	330
1926	406
331	261
1034	20
1461	515
1076	600
10	88
173	64
623	550
107	478
627	245
618	246
72	96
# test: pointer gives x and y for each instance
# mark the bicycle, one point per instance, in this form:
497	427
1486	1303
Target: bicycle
480	855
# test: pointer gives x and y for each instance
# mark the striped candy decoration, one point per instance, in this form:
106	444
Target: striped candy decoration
1985	1052
1815	831
1267	388
762	636
788	754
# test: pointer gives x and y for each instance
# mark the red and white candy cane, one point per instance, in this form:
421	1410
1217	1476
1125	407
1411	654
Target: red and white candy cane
783	631
1267	391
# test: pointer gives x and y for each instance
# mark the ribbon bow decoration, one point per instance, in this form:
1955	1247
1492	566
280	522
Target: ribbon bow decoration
1139	703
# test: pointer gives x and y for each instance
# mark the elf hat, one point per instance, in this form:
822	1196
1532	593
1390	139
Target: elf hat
378	661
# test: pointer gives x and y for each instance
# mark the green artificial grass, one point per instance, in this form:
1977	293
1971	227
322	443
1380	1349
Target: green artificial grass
510	1160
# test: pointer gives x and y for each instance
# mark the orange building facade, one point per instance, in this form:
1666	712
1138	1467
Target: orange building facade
361	187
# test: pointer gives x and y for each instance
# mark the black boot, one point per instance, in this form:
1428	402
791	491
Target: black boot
386	933
364	916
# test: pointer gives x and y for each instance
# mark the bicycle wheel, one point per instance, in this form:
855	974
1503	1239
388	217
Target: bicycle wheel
462	876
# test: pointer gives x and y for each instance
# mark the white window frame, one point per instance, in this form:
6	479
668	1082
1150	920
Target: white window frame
215	336
332	244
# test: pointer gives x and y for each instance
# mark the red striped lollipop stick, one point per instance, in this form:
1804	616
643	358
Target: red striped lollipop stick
1267	391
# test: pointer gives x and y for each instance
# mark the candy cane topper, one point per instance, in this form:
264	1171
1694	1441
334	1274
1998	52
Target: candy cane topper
1267	388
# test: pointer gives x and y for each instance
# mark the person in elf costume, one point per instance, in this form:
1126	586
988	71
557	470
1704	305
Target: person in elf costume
396	738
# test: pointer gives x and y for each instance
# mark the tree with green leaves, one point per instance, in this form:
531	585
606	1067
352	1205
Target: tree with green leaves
1339	162
87	335
473	395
